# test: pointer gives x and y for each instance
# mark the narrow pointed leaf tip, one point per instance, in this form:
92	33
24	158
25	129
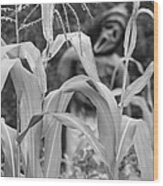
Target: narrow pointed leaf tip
47	21
35	119
138	85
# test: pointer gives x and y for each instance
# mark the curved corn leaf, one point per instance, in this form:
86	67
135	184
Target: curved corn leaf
29	52
146	11
24	51
75	80
137	63
105	119
54	95
74	122
128	130
112	104
26	85
147	115
144	152
56	101
27	89
138	84
83	49
8	139
117	92
6	66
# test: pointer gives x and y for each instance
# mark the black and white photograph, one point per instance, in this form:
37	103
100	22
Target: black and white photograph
78	90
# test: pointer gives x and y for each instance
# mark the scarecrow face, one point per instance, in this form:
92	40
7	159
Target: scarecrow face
109	37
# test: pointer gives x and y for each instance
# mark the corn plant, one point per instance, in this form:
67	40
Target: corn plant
40	116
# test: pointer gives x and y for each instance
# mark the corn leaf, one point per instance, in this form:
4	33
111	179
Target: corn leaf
117	92
128	130
112	104
137	86
149	95
55	101
131	32
6	66
8	139
29	52
26	85
143	149
133	37
47	21
146	11
27	89
52	135
3	43
55	96
105	119
56	45
82	47
74	122
23	51
147	115
137	63
35	119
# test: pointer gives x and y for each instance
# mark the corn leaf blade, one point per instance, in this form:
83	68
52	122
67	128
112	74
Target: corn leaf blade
74	122
27	88
128	130
143	149
55	101
29	52
8	137
82	47
34	120
47	21
147	115
105	120
138	85
112	104
6	66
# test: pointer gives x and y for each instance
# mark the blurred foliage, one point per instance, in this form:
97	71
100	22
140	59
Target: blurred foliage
143	52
